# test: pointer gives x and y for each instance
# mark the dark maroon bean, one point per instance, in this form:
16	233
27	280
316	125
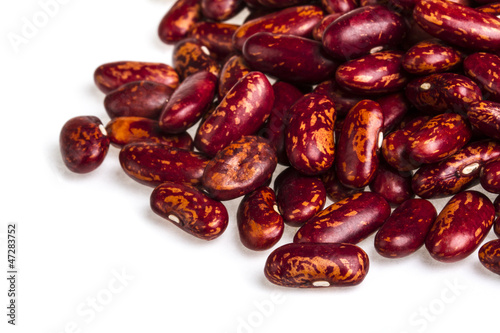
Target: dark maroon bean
489	256
217	37
320	28
83	143
190	209
342	99
299	197
348	221
484	116
154	163
221	10
243	111
334	189
309	138
460	227
190	57
125	130
362	31
456	173
241	167
316	265
431	56
483	69
111	76
233	70
188	103
289	58
393	185
496	226
179	20
394	107
489	176
259	223
404	232
496	203
339	6
357	158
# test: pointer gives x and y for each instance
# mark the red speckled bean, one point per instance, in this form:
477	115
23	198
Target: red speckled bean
484	116
190	57
221	10
233	70
217	37
489	256
343	100
431	56
179	20
489	176
483	68
334	189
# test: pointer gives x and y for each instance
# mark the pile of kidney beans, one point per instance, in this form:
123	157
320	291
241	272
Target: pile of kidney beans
401	97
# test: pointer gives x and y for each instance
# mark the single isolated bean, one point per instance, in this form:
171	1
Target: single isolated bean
431	56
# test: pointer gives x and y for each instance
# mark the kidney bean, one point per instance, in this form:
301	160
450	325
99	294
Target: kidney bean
298	197
316	265
489	176
339	6
394	107
443	92
155	163
334	189
458	25
309	140
376	73
404	232
393	185
460	227
489	256
111	76
241	167
221	10
320	28
348	221
190	209
259	223
83	143
216	36
357	158
188	103
455	173
190	57
243	111
342	99
484	116
492	8
179	20
125	130
233	70
483	69
137	99
298	21
362	31
431	56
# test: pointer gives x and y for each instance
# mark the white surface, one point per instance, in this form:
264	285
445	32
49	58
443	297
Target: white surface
78	232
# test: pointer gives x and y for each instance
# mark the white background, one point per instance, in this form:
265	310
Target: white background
76	233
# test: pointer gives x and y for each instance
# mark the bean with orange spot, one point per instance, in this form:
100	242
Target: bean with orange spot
190	209
484	116
489	256
431	56
342	99
190	57
316	265
334	188
460	227
232	71
216	36
489	176
179	20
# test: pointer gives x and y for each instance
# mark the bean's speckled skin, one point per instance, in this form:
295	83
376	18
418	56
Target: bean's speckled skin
404	232
139	99
216	36
289	58
197	214
455	173
489	256
489	176
394	107
241	167
460	227
154	163
443	92
458	25
316	265
298	21
431	56
483	68
189	58
485	117
492	8
347	221
243	111
357	157
343	100
320	28
309	141
179	20
233	70
83	143
334	189
259	224
111	76
393	185
125	130
362	30
221	10
188	103
376	73
298	197
440	137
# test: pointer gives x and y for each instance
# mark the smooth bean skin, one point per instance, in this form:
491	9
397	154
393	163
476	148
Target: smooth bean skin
485	117
260	226
111	76
125	130
482	68
155	163
241	167
347	221
243	111
216	36
189	58
320	28
404	232
138	99
489	256
393	185
339	6
188	103
394	108
460	227
489	176
298	197
309	140
83	143
362	30
334	188
342	99
179	20
190	209
431	56
309	265
221	10
456	173
357	158
232	71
